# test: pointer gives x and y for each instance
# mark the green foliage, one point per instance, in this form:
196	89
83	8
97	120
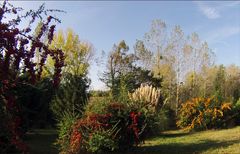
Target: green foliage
98	93
123	75
138	76
123	90
219	83
96	105
119	63
33	101
237	105
236	112
77	53
236	95
102	141
64	130
71	96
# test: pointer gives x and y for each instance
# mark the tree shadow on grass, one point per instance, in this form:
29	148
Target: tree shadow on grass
170	135
180	148
41	142
173	135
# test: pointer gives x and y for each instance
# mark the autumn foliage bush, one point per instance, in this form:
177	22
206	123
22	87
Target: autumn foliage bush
116	128
18	48
203	113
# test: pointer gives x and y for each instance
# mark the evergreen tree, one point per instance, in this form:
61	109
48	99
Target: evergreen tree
71	97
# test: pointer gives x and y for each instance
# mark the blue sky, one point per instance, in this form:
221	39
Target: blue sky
105	23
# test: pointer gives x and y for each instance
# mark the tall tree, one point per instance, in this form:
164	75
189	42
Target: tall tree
200	58
72	94
143	55
173	56
78	53
119	63
232	83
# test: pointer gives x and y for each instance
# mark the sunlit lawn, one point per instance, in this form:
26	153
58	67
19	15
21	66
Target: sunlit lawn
213	141
225	141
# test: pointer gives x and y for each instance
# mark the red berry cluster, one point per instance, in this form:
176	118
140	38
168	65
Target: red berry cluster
135	125
83	129
18	56
129	127
75	141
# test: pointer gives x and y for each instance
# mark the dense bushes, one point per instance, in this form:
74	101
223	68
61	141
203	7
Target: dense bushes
118	127
201	113
64	130
107	125
236	112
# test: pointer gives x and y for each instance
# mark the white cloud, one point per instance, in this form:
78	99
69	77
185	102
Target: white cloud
230	4
209	12
212	10
222	33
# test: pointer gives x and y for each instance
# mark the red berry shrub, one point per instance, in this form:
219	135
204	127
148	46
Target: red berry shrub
17	58
118	127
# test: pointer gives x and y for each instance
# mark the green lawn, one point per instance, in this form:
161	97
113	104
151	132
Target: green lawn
225	141
207	142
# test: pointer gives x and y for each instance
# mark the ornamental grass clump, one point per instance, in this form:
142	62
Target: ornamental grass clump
148	97
149	101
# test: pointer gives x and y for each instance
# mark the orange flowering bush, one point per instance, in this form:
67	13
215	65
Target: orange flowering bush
203	113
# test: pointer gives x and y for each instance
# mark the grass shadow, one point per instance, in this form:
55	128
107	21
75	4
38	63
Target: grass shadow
41	141
173	135
180	148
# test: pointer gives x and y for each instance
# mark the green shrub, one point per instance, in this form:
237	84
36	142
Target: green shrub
96	105
71	96
237	105
102	140
236	112
64	131
109	126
